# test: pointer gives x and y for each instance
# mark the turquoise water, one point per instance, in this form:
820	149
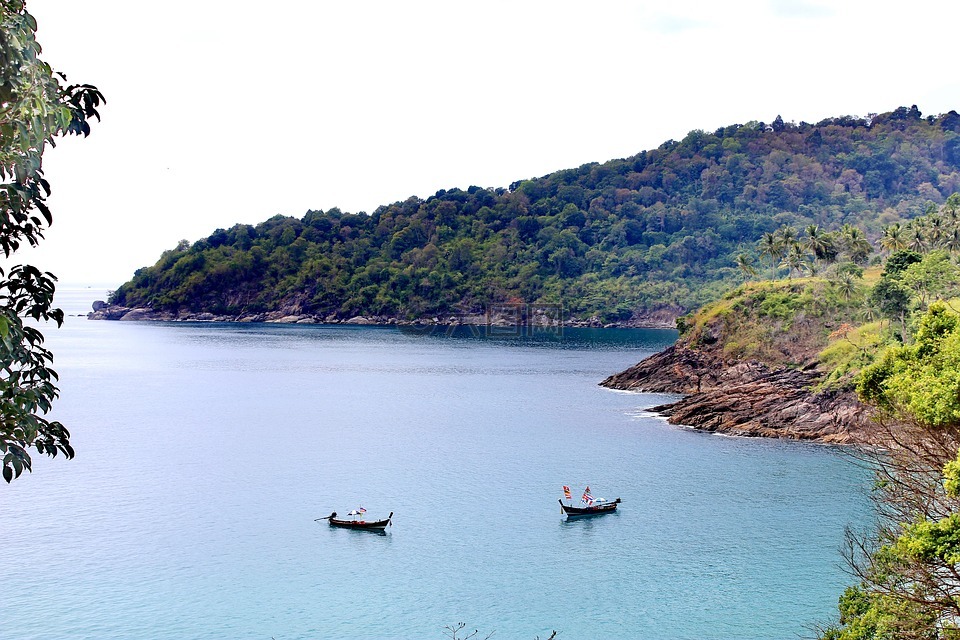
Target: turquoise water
205	452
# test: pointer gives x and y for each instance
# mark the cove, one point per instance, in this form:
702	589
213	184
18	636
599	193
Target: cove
206	451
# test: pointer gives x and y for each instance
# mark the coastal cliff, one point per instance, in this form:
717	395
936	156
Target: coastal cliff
748	367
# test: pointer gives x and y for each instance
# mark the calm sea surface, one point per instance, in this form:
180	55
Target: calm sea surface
206	451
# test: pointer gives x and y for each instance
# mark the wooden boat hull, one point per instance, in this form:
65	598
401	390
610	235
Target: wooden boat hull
360	525
379	525
576	512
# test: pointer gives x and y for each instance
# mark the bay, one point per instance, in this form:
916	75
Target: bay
207	451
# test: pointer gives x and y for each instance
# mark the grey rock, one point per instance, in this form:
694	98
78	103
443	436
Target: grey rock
746	398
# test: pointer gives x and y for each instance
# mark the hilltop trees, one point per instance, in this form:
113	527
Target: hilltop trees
938	229
35	108
608	240
813	251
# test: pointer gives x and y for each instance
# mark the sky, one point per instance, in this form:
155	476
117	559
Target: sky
223	112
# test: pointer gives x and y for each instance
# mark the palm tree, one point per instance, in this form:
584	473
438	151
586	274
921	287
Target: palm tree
815	242
934	230
917	241
769	245
787	236
857	246
745	262
846	286
894	238
795	260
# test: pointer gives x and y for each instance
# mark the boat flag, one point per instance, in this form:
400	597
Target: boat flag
566	492
361	510
586	496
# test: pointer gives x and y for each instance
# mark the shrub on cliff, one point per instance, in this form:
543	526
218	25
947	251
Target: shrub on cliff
851	348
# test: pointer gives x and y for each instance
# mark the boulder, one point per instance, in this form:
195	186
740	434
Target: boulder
138	314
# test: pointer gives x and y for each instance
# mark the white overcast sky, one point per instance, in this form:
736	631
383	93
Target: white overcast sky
224	112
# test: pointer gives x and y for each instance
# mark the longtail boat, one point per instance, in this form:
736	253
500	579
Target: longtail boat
364	525
591	506
595	509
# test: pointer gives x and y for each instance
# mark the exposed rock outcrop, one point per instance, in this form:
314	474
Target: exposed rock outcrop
676	369
746	398
749	364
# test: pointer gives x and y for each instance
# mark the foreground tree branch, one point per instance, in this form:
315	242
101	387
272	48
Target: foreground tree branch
36	107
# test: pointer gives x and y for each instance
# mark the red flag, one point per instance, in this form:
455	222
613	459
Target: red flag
586	496
566	492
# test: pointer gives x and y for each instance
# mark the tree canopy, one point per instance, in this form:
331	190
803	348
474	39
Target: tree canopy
611	240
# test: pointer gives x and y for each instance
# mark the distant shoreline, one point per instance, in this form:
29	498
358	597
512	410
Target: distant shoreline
537	323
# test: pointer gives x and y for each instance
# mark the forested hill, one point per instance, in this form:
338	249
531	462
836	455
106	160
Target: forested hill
612	241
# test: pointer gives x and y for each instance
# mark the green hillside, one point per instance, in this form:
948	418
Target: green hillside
613	241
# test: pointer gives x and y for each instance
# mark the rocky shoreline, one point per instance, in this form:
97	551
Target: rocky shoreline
746	398
545	321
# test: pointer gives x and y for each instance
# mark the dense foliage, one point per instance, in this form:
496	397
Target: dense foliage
34	108
909	567
910	570
670	226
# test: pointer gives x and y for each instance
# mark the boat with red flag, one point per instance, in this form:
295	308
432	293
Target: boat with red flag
589	506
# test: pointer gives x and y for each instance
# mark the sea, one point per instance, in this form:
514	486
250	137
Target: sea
206	452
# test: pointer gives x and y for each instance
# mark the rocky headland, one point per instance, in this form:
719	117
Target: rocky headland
746	398
744	373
